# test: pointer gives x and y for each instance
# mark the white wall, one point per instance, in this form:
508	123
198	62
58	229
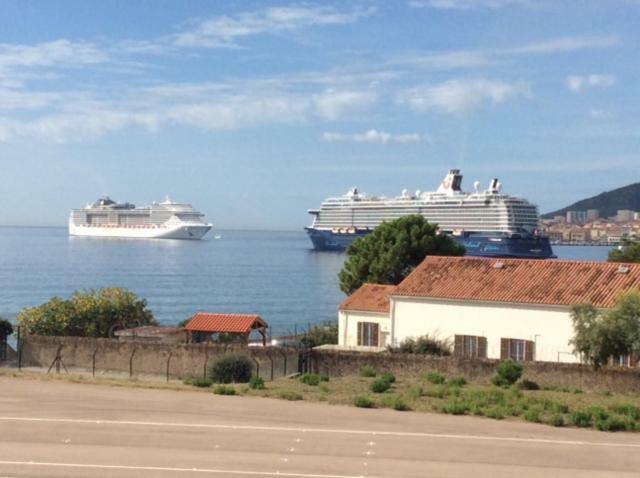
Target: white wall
549	327
348	326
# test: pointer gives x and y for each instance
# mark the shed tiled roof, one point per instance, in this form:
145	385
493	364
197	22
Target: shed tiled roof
369	298
226	323
546	282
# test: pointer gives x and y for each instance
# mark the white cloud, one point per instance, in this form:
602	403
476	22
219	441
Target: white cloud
565	45
459	96
376	137
223	31
577	83
59	52
332	104
466	4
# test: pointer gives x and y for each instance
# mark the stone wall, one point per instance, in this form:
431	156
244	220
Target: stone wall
177	361
552	374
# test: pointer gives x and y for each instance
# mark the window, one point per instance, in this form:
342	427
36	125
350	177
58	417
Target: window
470	346
517	349
368	333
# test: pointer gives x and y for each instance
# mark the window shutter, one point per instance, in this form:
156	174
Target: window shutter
529	351
375	340
458	345
359	333
482	347
504	348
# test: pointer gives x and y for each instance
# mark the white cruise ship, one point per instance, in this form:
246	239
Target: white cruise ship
487	223
164	220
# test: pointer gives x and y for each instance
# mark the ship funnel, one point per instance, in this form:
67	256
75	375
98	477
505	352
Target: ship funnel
451	182
495	185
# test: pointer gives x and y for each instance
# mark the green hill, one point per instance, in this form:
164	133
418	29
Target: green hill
608	203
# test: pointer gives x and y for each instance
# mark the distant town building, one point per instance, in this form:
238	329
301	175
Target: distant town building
576	217
487	308
593	214
624	215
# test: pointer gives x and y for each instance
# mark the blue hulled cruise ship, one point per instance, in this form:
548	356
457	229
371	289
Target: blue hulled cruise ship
487	223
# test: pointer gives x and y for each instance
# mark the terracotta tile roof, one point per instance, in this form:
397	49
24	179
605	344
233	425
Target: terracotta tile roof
228	323
549	282
369	298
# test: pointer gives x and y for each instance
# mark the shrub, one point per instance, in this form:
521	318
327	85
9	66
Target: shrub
415	392
528	385
582	419
497	413
231	369
611	424
362	401
312	379
224	390
455	408
400	405
457	382
367	371
557	420
321	334
532	415
201	382
425	345
507	373
435	378
627	410
324	388
6	329
256	383
439	391
598	413
291	396
561	408
389	377
380	386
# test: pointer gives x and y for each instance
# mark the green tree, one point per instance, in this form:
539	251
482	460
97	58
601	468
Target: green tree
87	314
392	251
628	252
6	329
600	336
321	334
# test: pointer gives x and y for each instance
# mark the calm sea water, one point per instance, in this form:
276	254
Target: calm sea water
274	274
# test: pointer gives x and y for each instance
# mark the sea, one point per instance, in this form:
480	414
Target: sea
275	274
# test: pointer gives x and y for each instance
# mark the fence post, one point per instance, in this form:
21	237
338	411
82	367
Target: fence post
257	365
93	362
270	360
284	356
206	361
169	363
133	352
19	346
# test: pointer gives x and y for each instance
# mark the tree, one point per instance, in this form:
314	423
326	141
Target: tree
87	314
628	252
600	336
392	251
6	329
321	334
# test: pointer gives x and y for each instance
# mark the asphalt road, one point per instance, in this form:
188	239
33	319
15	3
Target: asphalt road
59	429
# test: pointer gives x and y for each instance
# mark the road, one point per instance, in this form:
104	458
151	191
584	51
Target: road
62	429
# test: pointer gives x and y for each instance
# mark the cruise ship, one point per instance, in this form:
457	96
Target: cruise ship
486	223
164	220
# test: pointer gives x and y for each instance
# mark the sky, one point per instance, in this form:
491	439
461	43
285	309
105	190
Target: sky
255	112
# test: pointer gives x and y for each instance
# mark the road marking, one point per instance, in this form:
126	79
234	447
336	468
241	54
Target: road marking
211	471
323	430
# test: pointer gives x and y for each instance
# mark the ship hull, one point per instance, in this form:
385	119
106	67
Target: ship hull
479	245
182	231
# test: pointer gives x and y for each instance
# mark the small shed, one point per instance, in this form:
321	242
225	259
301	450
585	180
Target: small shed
238	324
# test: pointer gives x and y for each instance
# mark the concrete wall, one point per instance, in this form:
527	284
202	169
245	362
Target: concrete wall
348	327
549	327
182	360
340	363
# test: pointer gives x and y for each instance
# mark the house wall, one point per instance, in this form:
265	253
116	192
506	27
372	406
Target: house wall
549	327
348	327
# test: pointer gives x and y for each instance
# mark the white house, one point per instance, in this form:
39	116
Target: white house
489	308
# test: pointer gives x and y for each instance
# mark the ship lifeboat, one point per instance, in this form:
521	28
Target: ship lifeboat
351	230
335	230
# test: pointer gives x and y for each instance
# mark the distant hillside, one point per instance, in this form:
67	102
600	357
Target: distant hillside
627	197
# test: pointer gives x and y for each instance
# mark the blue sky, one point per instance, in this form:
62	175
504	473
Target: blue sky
257	111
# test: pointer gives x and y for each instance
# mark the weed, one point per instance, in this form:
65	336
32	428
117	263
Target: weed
380	386
528	385
312	379
362	401
497	413
582	419
532	415
256	383
455	408
324	388
367	371
457	382
389	377
291	395
202	382
611	424
557	420
435	378
415	392
224	390
507	373
400	405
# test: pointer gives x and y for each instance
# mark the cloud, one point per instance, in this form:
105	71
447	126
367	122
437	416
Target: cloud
375	137
565	45
467	4
459	96
577	83
51	53
332	104
223	31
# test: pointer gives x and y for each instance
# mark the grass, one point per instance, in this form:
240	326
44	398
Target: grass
552	406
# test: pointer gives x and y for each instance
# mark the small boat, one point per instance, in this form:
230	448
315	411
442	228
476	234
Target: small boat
217	237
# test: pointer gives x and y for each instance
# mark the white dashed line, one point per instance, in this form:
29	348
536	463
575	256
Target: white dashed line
324	430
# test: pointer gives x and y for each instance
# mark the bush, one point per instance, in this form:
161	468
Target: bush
557	420
582	419
291	396
201	382
362	401
256	383
435	378
231	369
224	390
425	345
528	385
532	415
455	408
611	424
367	371
457	382
312	379
380	386
400	405
389	377
497	413
507	373
320	335
6	329
628	410
415	392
